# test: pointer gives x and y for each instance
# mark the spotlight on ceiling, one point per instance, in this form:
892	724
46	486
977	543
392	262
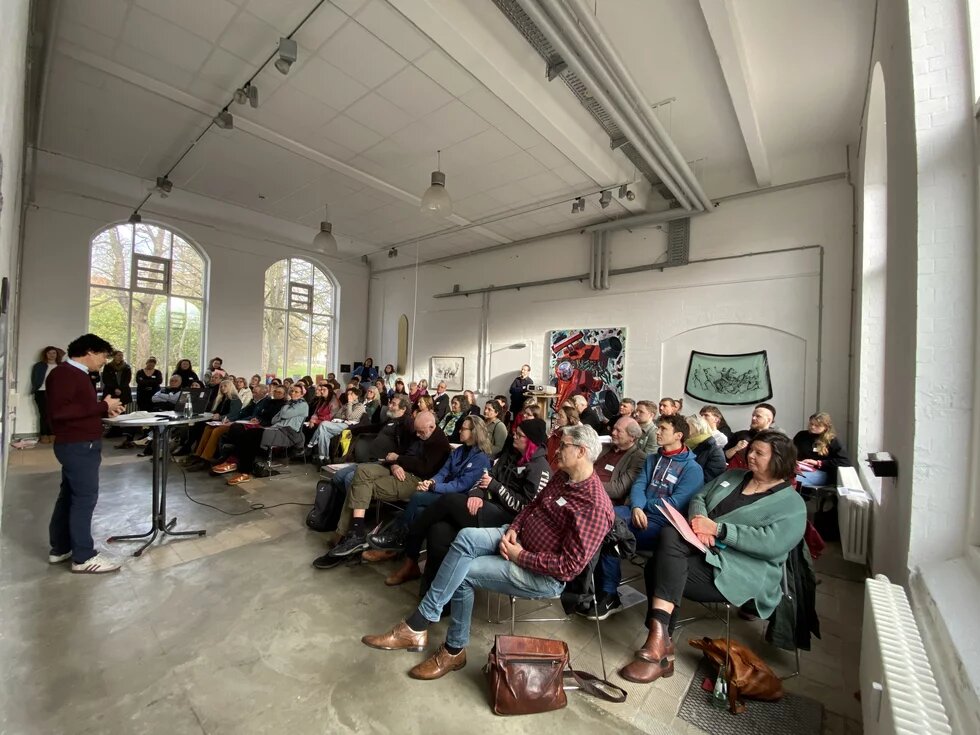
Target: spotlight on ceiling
253	95
325	242
224	120
605	199
241	96
578	205
135	219
625	193
436	200
164	186
393	253
287	55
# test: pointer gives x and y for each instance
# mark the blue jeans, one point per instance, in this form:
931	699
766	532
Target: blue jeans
71	522
813	478
473	561
343	478
326	431
416	504
608	573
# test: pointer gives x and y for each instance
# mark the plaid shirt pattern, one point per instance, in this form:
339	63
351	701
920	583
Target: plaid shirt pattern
563	527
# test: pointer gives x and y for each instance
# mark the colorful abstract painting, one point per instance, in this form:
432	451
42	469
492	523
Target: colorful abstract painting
588	361
732	380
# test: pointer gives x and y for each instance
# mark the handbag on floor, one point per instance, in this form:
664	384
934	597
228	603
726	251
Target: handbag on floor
747	676
527	675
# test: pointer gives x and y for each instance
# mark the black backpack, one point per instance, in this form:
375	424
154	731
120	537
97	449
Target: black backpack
327	506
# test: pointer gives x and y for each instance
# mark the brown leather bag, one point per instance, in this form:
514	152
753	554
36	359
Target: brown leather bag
748	675
528	675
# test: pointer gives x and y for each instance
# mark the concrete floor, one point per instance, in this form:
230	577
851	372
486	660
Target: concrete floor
236	633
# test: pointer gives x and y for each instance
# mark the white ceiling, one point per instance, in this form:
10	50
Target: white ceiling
357	121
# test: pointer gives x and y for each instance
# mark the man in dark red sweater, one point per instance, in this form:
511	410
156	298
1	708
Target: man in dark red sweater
75	415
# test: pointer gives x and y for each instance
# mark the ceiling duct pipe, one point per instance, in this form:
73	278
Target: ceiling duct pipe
614	85
606	259
576	64
595	260
631	93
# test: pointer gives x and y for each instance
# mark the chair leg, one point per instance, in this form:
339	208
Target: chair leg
728	636
598	631
513	614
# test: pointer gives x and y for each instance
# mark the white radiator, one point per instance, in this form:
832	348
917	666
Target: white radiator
853	515
899	695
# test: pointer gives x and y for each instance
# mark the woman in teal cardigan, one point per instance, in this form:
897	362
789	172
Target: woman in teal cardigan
749	520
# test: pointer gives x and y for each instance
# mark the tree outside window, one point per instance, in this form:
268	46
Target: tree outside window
298	325
147	294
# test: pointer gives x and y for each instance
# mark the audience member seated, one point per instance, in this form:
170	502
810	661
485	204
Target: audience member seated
117	376
286	431
670	406
452	422
350	413
621	461
474	403
441	401
564	416
397	478
254	381
320	410
215	364
548	544
421	389
462	470
818	452
499	495
366	372
673	476
707	451
495	427
399	389
424	403
626	408
762	419
720	429
750	520
505	415
646	417
586	413
382	391
228	411
388	376
186	372
148	381
372	406
263	414
244	392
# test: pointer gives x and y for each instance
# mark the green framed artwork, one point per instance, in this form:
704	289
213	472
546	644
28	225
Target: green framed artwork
731	380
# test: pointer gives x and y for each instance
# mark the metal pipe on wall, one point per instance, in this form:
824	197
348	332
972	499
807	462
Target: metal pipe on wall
570	57
606	260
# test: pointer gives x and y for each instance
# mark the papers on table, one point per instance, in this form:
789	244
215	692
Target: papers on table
141	418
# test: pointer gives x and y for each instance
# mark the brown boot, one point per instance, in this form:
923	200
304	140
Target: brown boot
399	638
408	571
373	555
654	660
439	664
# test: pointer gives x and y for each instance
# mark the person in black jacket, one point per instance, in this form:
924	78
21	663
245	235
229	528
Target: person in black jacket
818	453
440	400
186	372
587	414
518	388
50	359
513	482
148	381
707	453
117	376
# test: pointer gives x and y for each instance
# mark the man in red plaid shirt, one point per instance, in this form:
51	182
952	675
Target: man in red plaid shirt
548	544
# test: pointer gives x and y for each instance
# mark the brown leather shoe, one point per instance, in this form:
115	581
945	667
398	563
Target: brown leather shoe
405	573
644	672
399	638
374	555
658	645
439	664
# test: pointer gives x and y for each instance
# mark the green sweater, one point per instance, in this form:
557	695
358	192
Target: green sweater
757	539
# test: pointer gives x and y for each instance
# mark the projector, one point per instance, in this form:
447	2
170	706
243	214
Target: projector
548	390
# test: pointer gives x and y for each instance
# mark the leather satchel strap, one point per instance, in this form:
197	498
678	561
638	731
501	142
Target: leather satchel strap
592	684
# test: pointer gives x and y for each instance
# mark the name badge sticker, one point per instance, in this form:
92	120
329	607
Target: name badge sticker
560	502
725	483
609	468
469	465
671	478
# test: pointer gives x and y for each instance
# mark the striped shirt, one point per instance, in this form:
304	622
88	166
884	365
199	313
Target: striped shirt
563	527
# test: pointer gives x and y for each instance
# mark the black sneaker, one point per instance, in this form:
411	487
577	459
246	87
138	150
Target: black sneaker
393	539
606	606
353	542
327	562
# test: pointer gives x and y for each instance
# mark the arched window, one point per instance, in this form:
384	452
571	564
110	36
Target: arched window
298	326
148	294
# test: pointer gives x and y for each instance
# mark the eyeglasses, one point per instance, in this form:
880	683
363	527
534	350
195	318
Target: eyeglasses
566	445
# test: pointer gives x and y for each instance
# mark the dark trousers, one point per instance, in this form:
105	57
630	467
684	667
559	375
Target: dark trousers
608	573
71	522
41	399
438	525
679	570
247	448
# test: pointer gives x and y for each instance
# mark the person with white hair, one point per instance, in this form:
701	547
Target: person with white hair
547	544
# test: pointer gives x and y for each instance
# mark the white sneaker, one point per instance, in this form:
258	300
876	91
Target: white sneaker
141	442
98	564
58	558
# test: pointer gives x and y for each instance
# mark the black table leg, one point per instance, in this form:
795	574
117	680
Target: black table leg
152	533
162	522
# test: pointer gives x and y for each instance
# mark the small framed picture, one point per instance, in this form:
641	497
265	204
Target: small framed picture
448	370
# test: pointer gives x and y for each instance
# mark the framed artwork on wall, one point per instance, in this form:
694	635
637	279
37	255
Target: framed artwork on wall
590	362
730	380
447	369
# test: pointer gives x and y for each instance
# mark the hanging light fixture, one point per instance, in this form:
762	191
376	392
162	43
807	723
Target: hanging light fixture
436	200
135	218
224	120
287	55
325	242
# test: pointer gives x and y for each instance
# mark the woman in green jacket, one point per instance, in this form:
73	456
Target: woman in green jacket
749	520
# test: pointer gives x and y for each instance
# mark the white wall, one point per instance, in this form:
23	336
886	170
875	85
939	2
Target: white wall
13	59
773	294
54	282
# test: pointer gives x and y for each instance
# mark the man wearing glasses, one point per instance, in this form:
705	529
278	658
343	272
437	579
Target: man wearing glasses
547	545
